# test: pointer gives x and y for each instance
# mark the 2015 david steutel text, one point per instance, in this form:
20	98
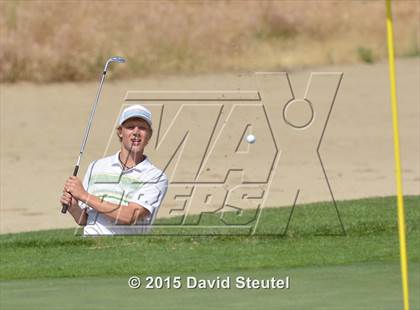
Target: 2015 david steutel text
192	282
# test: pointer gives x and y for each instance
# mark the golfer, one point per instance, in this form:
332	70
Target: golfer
120	194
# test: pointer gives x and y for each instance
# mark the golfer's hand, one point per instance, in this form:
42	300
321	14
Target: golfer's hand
75	187
66	198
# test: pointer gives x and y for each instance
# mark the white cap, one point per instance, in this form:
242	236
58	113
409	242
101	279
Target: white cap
136	111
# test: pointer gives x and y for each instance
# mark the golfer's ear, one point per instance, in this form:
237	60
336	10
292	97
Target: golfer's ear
119	132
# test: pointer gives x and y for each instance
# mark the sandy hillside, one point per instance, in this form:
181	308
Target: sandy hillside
42	126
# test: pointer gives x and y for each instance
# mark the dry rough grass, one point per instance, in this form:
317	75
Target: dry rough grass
45	41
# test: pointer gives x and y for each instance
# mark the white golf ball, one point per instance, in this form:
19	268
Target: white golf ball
250	139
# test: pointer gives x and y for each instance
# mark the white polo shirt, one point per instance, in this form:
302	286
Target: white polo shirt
143	184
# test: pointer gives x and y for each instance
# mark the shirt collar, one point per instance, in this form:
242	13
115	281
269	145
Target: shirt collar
140	166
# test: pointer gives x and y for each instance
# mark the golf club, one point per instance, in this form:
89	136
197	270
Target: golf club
92	113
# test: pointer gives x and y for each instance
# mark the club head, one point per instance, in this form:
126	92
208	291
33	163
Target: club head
117	59
113	59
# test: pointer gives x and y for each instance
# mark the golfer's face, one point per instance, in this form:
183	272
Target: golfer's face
135	134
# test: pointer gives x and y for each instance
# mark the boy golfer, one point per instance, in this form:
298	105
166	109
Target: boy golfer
120	194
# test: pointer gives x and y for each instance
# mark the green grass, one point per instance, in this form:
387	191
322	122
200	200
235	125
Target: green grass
328	270
354	287
313	239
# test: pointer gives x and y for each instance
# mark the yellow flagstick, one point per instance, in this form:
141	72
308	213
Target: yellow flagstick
400	201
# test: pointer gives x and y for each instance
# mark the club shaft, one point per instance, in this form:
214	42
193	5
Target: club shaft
92	113
86	134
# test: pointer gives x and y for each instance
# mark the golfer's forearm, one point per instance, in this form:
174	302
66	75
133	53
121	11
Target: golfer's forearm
125	216
79	214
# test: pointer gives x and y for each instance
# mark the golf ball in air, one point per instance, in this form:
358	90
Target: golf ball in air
250	139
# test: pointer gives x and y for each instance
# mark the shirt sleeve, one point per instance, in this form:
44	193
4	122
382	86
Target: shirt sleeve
151	193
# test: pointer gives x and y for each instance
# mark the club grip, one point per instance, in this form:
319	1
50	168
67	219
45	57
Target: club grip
76	170
64	207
